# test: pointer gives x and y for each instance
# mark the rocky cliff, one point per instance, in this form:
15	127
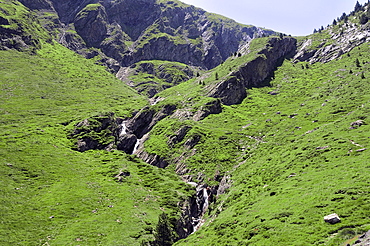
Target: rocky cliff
130	31
333	41
254	73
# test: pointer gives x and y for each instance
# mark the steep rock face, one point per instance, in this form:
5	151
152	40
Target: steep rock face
38	4
144	121
337	43
133	30
68	9
253	74
134	16
189	35
91	24
127	143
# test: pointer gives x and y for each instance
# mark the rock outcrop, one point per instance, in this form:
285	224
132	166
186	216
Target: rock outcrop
146	119
339	42
363	240
100	132
332	219
232	90
110	132
91	24
212	107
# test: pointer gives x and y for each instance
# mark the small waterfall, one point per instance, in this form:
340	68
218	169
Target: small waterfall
138	142
202	204
123	128
206	201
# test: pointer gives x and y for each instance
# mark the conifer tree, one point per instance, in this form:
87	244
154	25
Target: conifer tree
358	7
343	17
363	19
163	232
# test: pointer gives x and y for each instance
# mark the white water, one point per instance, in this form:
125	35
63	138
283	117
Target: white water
138	142
198	222
205	197
193	184
124	131
123	128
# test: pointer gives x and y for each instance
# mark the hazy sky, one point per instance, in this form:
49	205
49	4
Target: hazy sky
295	17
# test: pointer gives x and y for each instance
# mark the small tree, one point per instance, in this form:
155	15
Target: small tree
363	19
216	75
164	235
334	22
343	17
358	7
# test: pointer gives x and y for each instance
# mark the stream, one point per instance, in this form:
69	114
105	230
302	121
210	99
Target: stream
201	202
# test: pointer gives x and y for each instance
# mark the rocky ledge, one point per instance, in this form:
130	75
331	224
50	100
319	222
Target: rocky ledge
254	73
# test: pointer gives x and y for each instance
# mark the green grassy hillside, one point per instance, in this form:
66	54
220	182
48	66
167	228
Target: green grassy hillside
298	155
295	150
51	194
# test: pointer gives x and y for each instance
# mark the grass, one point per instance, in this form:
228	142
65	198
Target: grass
20	24
163	74
303	162
51	194
293	156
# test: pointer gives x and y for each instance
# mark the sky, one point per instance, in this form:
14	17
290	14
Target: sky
295	17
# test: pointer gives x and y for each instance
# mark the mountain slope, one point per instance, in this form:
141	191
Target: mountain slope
302	155
122	33
51	194
254	151
131	31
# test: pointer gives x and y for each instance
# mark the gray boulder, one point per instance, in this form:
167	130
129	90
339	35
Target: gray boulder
332	219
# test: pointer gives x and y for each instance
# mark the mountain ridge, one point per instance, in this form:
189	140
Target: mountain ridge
163	17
